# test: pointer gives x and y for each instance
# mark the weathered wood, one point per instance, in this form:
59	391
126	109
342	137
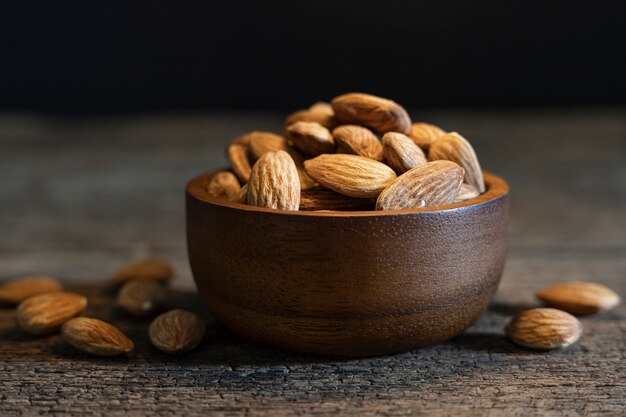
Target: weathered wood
77	198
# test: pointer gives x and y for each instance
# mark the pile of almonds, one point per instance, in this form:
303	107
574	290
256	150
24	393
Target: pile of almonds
360	152
43	308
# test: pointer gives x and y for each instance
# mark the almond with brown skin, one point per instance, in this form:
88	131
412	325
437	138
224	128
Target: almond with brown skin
544	329
176	331
322	107
242	195
424	134
580	298
150	269
45	313
376	113
432	184
264	142
311	138
357	140
274	182
401	153
306	182
467	192
242	140
320	112
96	337
240	161
142	298
352	175
318	200
223	185
454	147
16	291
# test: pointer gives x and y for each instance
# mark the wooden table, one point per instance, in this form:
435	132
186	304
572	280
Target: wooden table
80	196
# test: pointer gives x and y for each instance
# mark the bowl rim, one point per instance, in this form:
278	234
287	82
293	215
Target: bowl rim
496	189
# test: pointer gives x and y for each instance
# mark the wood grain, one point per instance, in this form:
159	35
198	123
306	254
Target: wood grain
347	283
81	197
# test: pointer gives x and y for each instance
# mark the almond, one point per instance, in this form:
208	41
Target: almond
454	147
96	337
401	153
579	298
376	113
352	175
322	107
223	185
357	140
264	142
274	182
239	161
176	331
151	269
544	329
142	298
306	182
467	192
242	195
431	184
16	291
317	200
242	140
424	134
317	113
311	138
45	313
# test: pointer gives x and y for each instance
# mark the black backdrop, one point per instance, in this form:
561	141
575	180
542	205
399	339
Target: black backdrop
144	54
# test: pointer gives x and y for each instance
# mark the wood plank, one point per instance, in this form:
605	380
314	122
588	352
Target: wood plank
80	197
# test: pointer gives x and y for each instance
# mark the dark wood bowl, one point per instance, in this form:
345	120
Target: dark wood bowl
347	283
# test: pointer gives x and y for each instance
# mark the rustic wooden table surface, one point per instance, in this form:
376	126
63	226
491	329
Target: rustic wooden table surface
80	196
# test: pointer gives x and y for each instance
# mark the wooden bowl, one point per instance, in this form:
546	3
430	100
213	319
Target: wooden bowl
347	283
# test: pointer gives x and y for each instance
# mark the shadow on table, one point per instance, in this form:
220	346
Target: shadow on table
221	348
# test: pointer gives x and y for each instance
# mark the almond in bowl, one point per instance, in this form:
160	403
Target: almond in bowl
388	248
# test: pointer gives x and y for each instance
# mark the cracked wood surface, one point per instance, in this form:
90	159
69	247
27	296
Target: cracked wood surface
80	196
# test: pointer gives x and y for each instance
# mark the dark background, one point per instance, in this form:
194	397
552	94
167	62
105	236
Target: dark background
146	55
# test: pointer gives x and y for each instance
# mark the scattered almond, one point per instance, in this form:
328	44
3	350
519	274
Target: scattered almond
432	184
45	313
223	185
274	182
401	153
424	134
580	298
176	331
264	142
357	140
96	337
352	175
142	298
311	138
152	269
454	147
239	160
16	291
467	192
544	329
322	200
376	113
